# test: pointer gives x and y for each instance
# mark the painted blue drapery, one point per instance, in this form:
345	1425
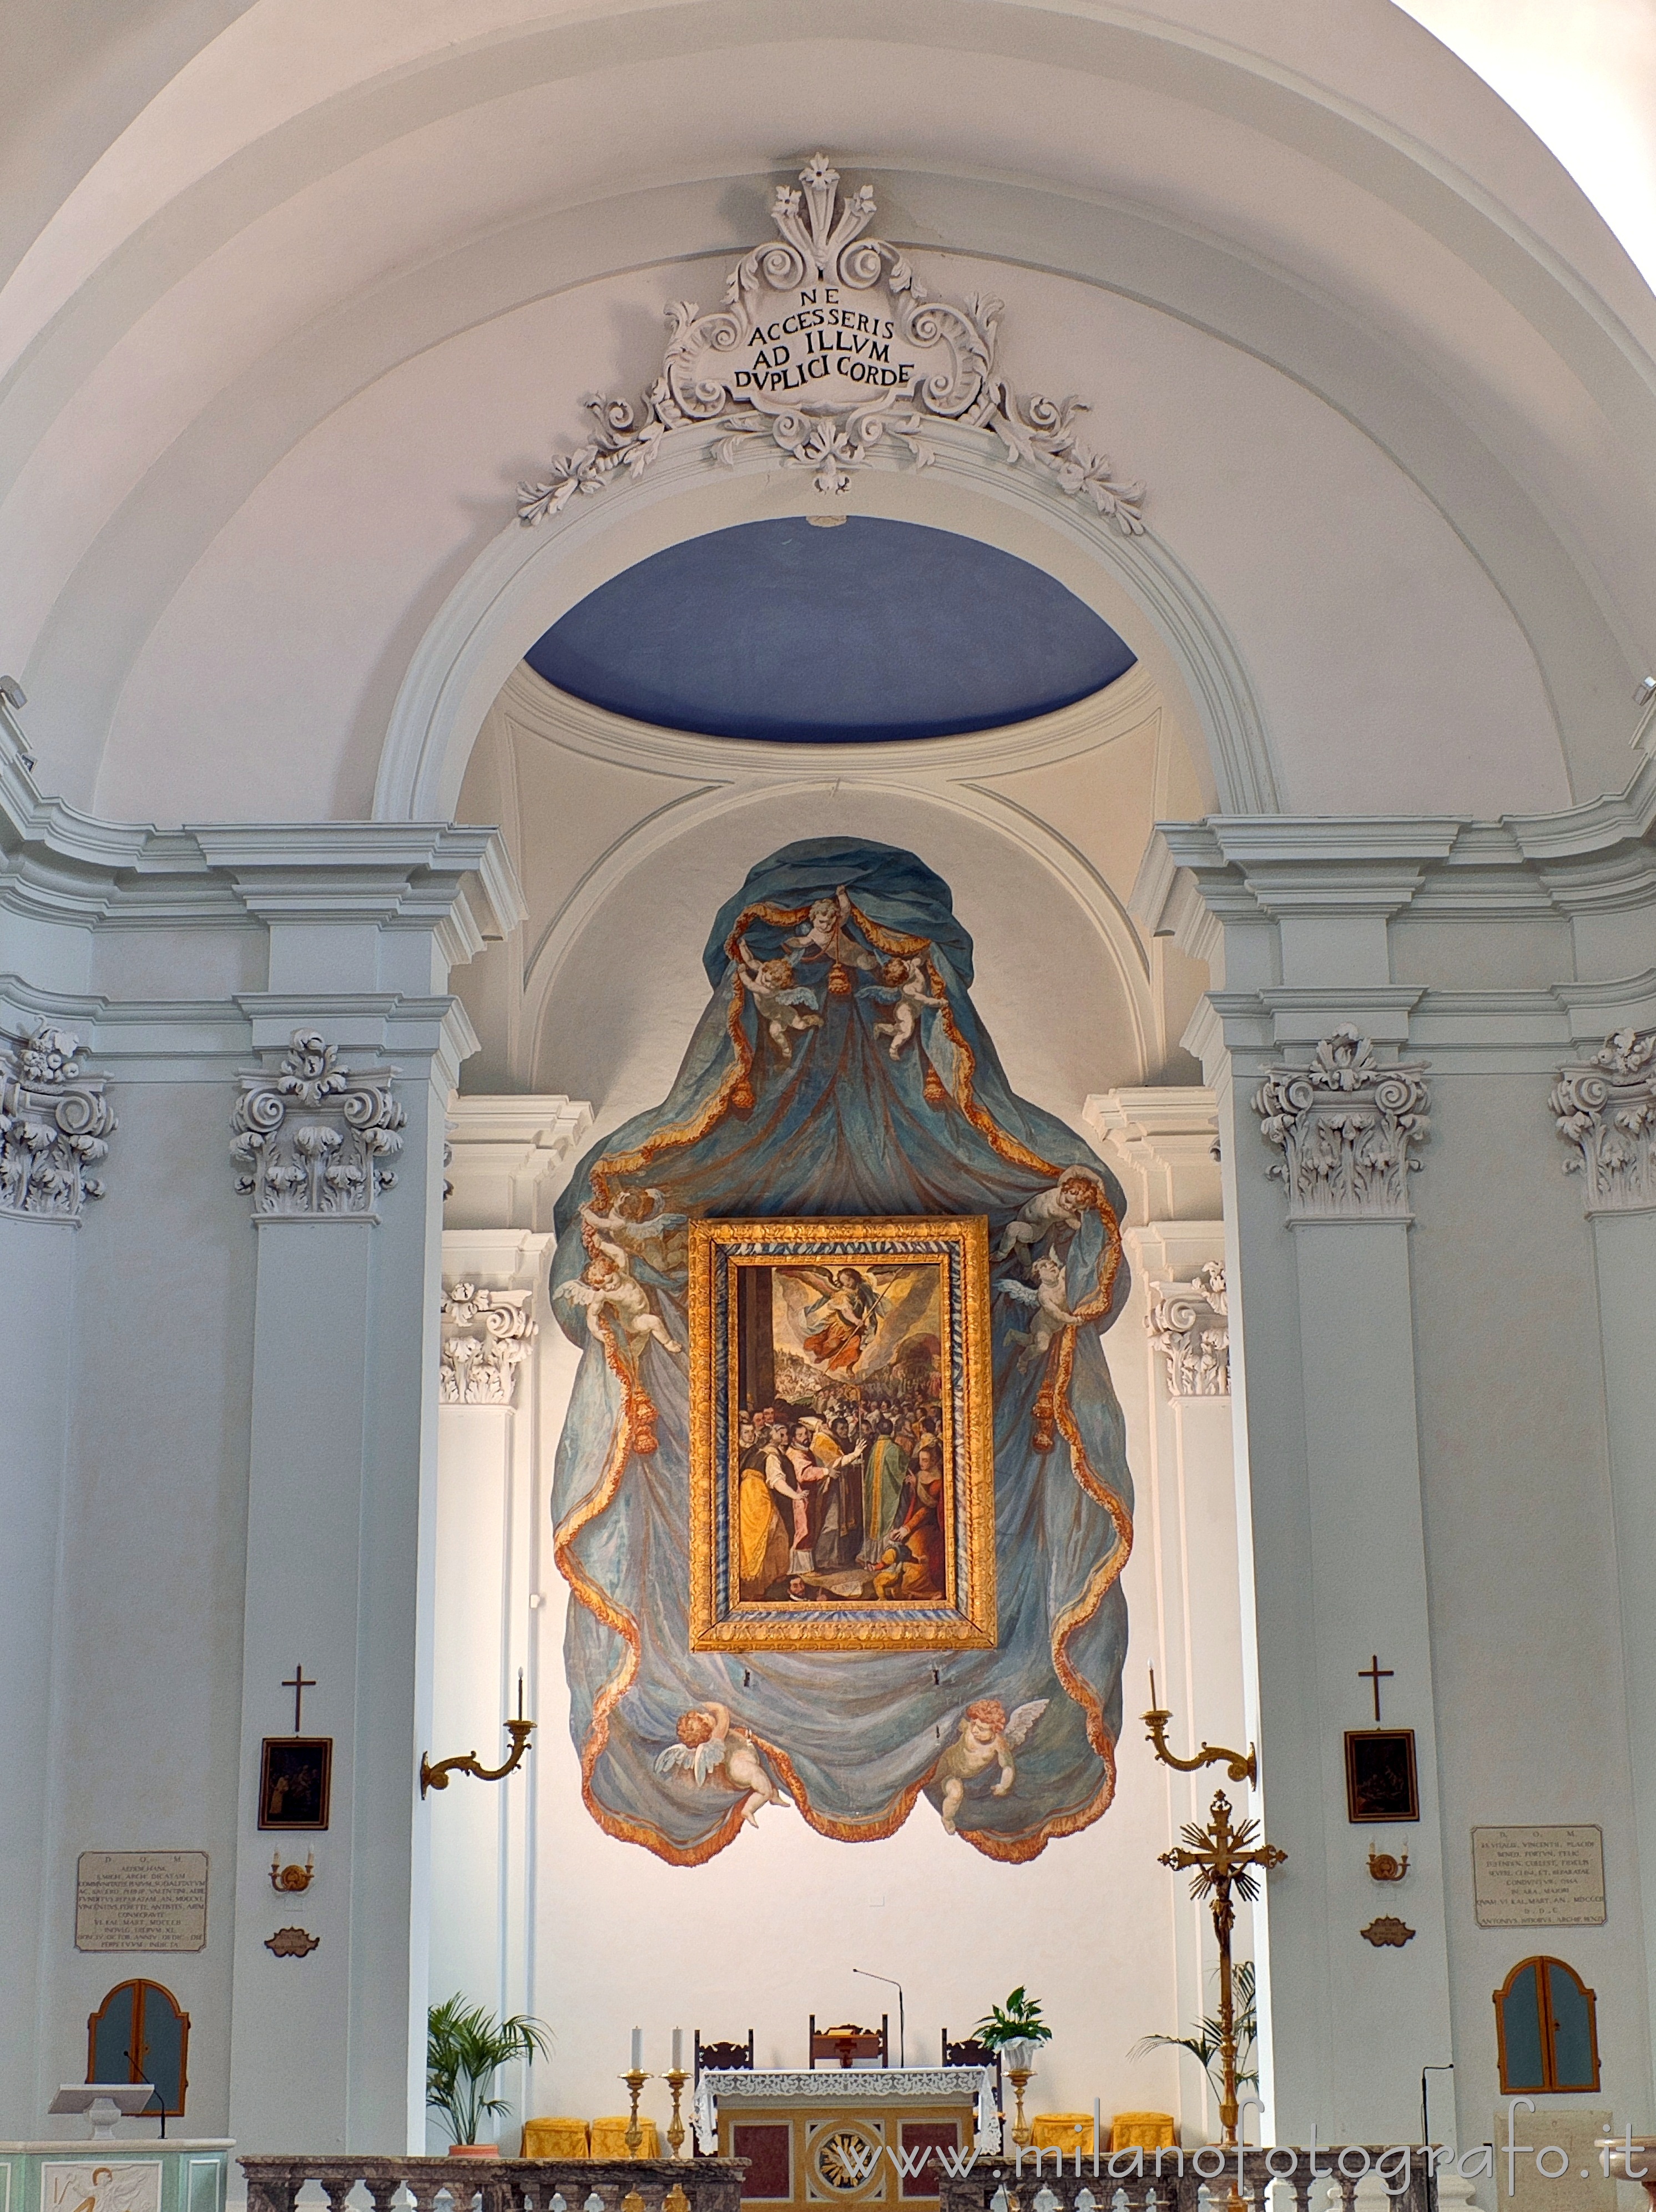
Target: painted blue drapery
838	1124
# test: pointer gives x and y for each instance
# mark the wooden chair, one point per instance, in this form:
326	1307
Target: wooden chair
969	2051
723	2057
848	2043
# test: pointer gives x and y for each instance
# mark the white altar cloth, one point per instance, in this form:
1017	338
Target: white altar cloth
861	2085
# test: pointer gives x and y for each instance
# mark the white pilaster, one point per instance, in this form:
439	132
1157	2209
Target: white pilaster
1165	1142
37	1321
340	1500
1606	1112
1400	1424
510	1156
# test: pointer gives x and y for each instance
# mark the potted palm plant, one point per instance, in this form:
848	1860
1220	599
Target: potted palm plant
1204	2041
466	2046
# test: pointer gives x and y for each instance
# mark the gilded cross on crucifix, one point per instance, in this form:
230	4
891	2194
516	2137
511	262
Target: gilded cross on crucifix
1225	1859
299	1682
1374	1673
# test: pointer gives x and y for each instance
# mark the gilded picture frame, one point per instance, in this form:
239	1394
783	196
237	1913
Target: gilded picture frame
842	1491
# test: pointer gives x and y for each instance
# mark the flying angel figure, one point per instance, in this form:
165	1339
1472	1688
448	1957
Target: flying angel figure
905	992
607	1280
781	1002
710	1753
1046	1296
845	1312
984	1737
1052	1216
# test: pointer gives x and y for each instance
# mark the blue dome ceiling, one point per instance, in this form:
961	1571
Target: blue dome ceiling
870	631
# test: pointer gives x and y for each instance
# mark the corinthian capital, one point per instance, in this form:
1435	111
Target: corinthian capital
1605	1109
1344	1126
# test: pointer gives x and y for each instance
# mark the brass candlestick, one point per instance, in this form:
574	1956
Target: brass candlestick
1020	2076
635	2079
676	2079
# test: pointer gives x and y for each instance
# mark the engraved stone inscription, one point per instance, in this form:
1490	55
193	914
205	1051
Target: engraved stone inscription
141	1901
1538	1877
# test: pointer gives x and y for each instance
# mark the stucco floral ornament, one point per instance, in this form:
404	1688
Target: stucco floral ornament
1606	1111
827	345
337	1165
55	1125
1345	1127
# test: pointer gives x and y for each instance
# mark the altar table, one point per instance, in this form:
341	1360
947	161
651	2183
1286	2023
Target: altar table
868	2136
125	2173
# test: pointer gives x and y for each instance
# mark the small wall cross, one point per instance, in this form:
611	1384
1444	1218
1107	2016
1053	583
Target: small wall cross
1375	1674
299	1682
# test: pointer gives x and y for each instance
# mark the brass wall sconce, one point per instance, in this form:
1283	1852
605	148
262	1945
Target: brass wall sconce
519	1730
1384	1867
292	1878
1240	1766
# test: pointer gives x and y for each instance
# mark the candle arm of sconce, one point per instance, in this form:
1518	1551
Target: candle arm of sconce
436	1778
1242	1766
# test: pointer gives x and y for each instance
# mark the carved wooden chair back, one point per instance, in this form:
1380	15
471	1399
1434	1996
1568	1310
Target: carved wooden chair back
724	2057
970	2051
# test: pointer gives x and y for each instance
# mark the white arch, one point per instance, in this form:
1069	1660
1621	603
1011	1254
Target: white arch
527	578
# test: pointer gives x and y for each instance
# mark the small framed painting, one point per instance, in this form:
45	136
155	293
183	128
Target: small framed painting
842	1447
296	1778
1379	1776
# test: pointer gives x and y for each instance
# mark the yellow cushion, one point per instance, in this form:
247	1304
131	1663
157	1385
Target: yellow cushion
610	2138
1143	2131
545	2138
1062	2130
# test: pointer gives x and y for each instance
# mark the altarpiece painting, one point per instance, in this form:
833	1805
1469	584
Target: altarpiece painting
841	1460
833	1543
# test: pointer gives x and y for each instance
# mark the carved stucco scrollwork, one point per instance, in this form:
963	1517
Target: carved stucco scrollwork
1344	1126
1188	1324
55	1124
486	1336
828	345
1606	1111
314	1140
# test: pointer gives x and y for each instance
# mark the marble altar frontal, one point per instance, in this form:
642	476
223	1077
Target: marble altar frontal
854	2136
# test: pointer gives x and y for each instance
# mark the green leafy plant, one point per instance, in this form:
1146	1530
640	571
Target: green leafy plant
1018	2021
1203	2043
466	2046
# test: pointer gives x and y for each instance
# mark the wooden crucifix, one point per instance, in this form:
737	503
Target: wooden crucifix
1374	1673
299	1682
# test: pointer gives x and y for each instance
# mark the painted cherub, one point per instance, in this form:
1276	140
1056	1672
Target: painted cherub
824	937
607	1281
905	982
645	1227
984	1736
782	1003
711	1751
1052	1314
1053	1213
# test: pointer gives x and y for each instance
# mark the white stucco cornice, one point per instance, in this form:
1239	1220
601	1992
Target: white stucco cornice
61	865
1600	854
1313	924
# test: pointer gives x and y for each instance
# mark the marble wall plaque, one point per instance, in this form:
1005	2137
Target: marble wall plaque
1538	1877
141	1901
